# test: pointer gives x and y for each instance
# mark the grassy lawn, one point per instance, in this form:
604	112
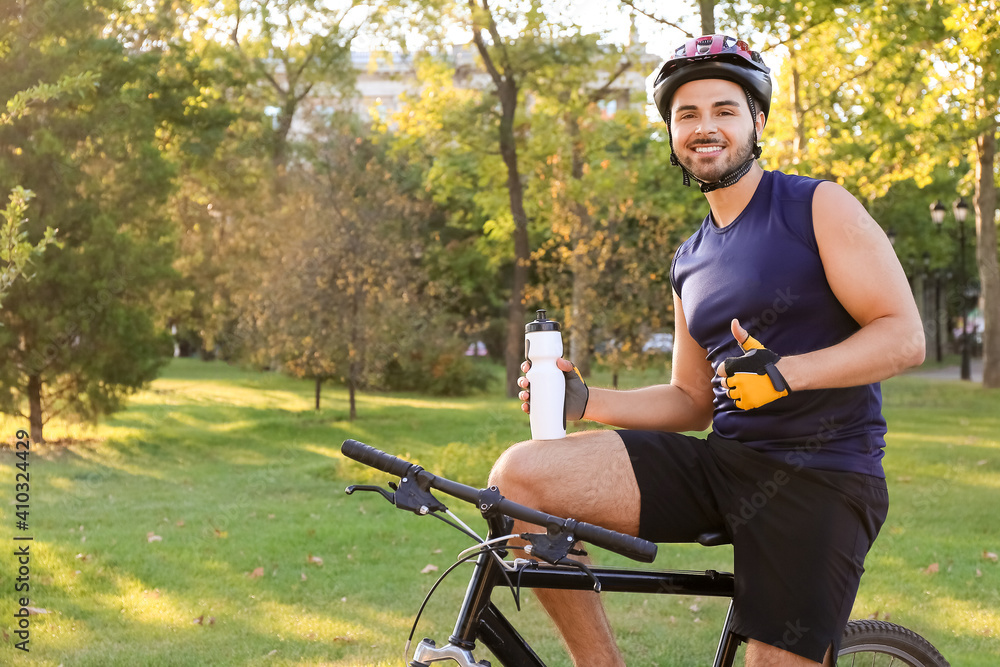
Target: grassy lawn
207	525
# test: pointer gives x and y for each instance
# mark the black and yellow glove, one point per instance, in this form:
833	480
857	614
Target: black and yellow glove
753	379
577	395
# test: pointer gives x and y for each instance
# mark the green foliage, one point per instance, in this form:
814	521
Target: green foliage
18	105
80	336
339	287
16	251
438	370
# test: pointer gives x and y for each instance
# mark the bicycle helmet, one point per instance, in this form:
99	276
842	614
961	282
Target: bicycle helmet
714	57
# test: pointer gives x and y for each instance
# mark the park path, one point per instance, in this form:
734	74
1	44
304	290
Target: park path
951	372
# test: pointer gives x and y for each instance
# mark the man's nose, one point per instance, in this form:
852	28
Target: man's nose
707	126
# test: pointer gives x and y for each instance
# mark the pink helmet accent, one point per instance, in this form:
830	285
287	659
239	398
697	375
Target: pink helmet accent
713	57
708	45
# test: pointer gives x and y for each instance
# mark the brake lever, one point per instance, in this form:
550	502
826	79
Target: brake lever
410	495
391	497
414	494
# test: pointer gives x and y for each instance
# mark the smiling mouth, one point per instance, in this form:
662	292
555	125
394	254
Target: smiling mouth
707	149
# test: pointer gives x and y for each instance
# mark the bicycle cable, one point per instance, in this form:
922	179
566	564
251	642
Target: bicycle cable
468	531
508	566
460	526
463	528
451	568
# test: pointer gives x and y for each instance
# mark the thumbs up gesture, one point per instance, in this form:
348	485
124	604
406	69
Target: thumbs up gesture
753	379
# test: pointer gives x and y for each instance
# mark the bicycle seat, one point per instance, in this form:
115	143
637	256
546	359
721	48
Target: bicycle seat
713	539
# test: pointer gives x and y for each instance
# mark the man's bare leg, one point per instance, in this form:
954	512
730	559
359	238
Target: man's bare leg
587	476
760	654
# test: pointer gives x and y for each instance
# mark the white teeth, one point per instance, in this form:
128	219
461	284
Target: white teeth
707	149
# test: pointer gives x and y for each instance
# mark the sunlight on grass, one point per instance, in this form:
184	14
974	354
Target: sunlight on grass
191	393
329	452
288	620
158	608
964	618
423	404
55	431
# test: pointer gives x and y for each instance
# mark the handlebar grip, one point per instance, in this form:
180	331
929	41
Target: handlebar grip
375	458
635	548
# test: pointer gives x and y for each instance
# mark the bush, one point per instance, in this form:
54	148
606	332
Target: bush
439	372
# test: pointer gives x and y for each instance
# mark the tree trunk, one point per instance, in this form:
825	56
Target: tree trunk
581	315
985	203
522	252
319	385
582	263
799	143
356	349
353	413
707	16
35	408
506	88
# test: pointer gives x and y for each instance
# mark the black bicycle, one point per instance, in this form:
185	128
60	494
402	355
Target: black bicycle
550	565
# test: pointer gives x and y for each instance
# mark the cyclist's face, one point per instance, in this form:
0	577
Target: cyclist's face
712	128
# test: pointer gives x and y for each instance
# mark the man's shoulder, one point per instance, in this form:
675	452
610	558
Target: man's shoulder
793	185
692	240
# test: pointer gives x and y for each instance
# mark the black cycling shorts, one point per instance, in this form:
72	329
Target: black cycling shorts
799	536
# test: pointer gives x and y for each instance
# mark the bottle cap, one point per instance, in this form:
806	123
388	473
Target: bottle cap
541	324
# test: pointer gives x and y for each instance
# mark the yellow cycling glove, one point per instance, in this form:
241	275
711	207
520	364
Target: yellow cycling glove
753	379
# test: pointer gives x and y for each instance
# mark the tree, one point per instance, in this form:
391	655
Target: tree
338	288
973	47
869	113
292	47
81	335
580	75
260	67
636	221
16	251
512	40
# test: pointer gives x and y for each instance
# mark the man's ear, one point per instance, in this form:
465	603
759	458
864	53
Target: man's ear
759	125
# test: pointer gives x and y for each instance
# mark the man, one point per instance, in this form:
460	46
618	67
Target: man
790	308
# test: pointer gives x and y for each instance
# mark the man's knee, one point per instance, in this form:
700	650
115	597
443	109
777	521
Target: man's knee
514	467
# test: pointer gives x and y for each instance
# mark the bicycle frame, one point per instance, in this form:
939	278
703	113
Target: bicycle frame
480	620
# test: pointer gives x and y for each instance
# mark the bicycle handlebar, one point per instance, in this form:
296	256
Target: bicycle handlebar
375	458
627	545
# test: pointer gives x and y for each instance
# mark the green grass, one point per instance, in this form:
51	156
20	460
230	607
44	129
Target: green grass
243	483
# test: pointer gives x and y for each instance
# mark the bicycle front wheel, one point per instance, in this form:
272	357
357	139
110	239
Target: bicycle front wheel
882	644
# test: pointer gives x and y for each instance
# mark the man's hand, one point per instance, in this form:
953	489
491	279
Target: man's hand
753	379
577	393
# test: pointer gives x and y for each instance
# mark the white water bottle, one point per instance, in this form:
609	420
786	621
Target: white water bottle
542	346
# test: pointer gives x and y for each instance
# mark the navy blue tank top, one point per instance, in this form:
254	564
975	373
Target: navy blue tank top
765	269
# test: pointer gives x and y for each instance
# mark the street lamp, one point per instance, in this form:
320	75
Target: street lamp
936	274
960	210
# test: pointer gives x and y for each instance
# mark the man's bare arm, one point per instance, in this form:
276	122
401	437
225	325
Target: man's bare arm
869	282
683	405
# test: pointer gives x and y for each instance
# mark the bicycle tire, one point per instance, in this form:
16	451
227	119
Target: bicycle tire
884	644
